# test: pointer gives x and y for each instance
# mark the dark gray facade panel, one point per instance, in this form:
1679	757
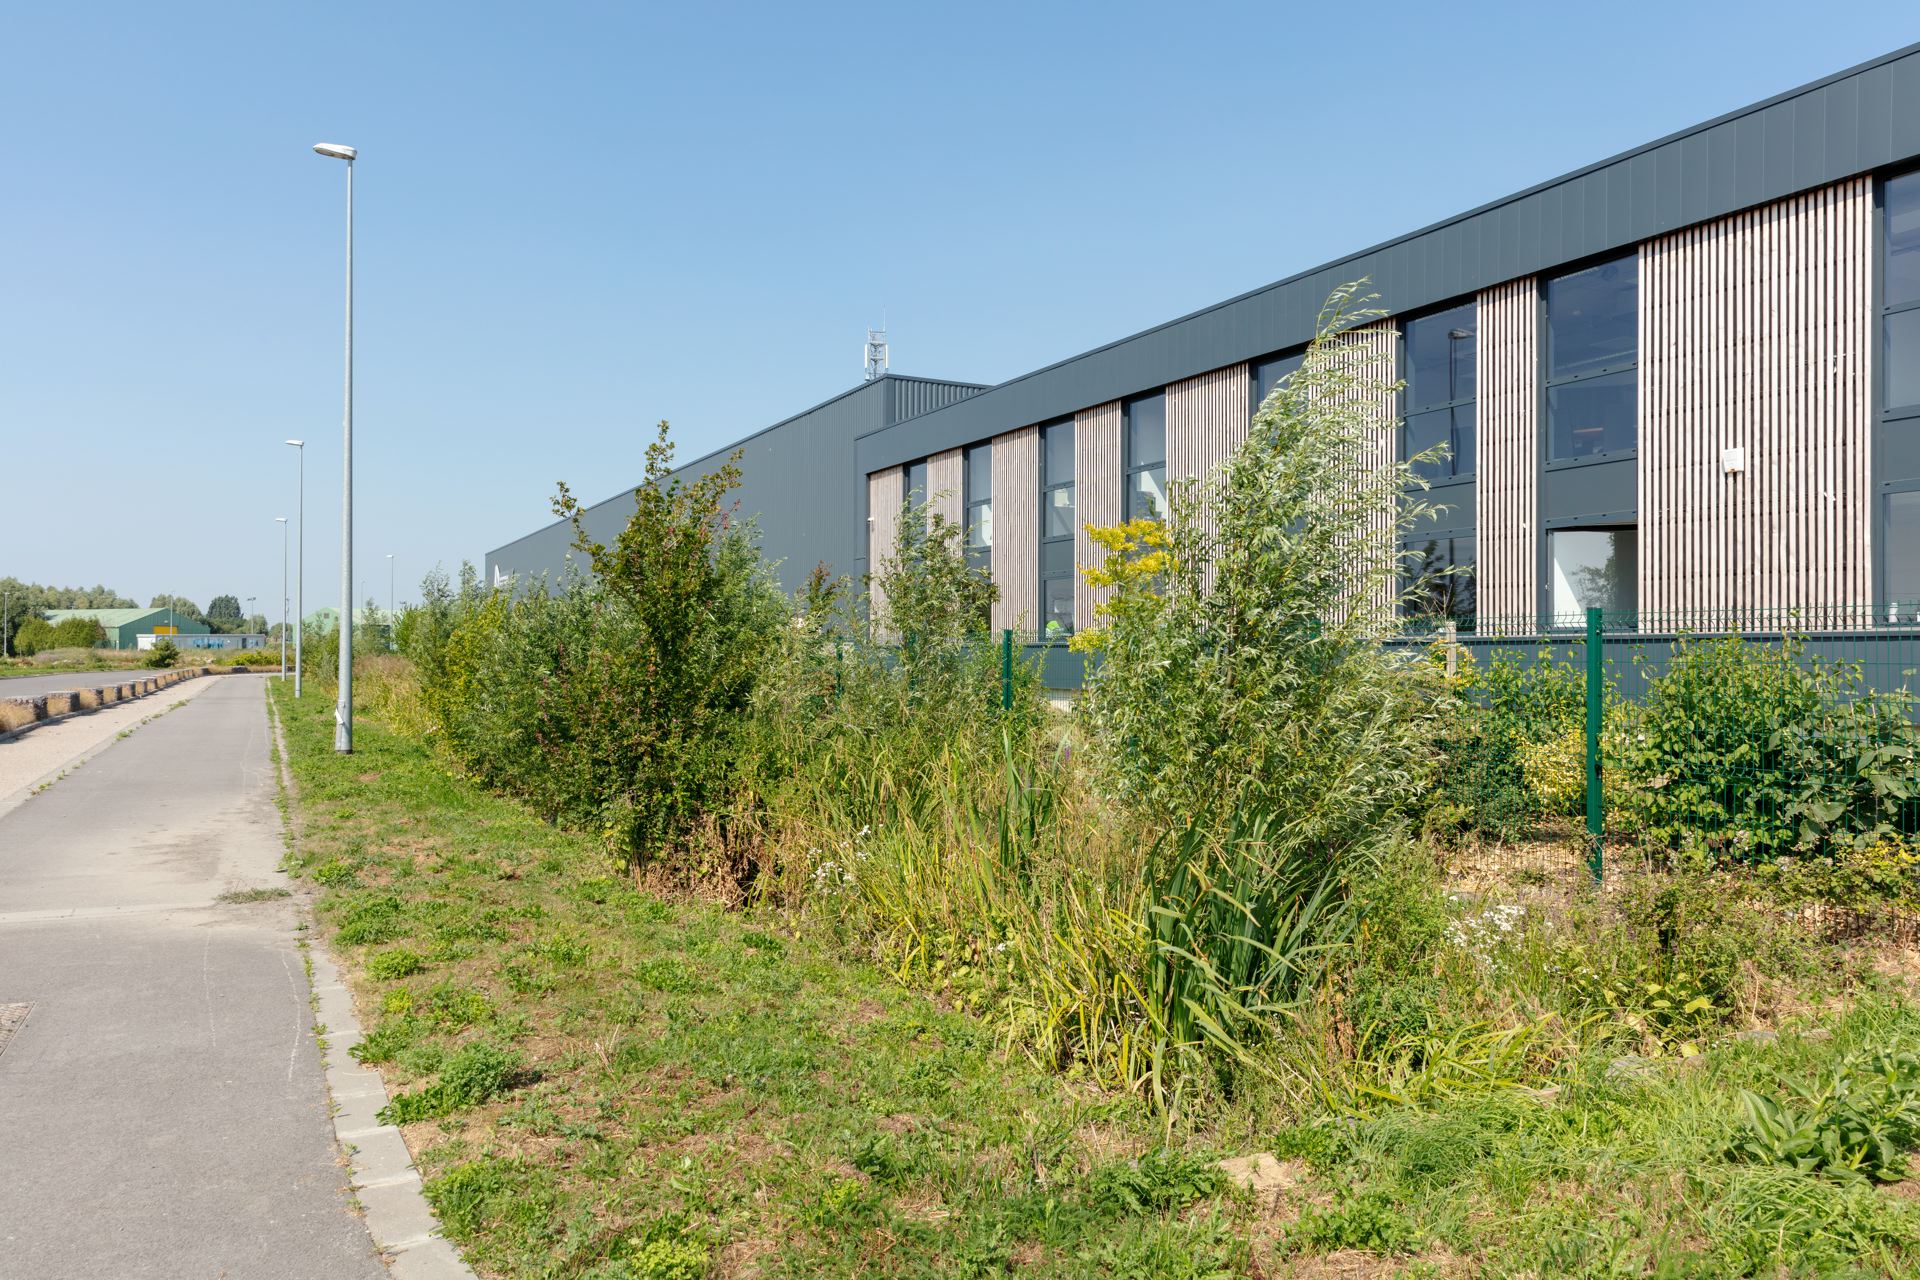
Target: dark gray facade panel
798	481
1590	491
1857	121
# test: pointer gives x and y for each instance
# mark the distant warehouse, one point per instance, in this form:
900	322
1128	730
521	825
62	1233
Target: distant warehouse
124	627
1685	378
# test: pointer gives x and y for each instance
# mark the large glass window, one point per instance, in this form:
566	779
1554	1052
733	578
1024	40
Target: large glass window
1593	349
1440	390
1903	554
1056	527
1594	569
1439	573
977	478
913	487
1268	373
1146	462
1900	296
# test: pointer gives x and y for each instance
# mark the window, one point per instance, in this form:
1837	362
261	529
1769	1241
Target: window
1593	569
977	477
1056	526
1268	373
1900	297
1436	592
1593	349
1146	461
1440	390
913	488
1903	554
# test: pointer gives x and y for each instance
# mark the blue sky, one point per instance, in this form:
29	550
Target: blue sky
577	219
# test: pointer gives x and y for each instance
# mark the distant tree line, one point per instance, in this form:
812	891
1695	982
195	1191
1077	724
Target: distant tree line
22	604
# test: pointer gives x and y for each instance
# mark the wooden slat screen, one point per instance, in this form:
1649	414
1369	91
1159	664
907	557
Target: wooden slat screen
883	525
1755	334
944	478
1098	488
1507	496
1016	529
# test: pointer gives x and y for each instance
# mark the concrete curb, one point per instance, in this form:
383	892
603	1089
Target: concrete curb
380	1168
22	714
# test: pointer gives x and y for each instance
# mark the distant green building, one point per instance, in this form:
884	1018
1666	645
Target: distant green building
322	621
125	626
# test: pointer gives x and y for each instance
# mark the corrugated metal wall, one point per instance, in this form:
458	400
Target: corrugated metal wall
1754	335
915	396
1507	426
883	527
1016	529
1819	134
1097	491
944	479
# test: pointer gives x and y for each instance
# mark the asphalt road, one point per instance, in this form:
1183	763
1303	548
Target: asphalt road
162	1109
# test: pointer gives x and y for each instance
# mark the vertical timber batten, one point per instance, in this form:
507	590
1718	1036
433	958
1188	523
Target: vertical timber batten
1506	498
1098	484
1016	529
1756	332
883	526
944	480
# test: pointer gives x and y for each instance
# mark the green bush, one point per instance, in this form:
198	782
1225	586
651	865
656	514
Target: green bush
1513	717
163	654
472	1074
1751	751
33	636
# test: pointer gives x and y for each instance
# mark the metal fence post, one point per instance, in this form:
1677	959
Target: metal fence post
1006	669
1596	690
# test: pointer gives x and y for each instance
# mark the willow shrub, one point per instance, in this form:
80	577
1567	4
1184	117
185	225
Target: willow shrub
1242	698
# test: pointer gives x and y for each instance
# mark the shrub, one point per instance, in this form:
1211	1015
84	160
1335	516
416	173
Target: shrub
1752	751
1514	748
32	636
163	654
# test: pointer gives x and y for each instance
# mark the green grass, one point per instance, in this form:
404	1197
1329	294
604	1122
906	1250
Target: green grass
253	895
602	1084
696	1089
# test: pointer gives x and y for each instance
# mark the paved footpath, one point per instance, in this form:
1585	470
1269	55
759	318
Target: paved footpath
162	1109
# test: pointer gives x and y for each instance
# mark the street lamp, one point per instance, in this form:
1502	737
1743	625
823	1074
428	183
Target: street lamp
343	711
389	599
282	520
299	576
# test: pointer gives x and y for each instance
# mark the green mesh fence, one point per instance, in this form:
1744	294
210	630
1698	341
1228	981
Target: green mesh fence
1731	735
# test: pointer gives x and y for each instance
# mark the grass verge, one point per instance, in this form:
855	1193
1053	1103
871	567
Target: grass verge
599	1083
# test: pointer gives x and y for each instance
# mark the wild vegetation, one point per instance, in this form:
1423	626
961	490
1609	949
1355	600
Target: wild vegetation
1236	901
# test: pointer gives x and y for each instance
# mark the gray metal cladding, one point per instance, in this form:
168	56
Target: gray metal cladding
1853	122
798	481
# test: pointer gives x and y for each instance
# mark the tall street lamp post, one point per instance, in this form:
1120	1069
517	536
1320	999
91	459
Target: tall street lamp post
299	571
282	520
390	632
343	711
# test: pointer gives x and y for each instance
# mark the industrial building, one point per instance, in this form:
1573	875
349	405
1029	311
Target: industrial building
124	627
1683	378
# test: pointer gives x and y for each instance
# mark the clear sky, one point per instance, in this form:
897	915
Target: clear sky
576	219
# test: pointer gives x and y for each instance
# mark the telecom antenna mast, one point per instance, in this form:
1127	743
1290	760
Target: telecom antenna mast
876	353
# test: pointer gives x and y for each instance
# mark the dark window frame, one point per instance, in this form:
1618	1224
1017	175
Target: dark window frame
1047	487
1129	467
1297	354
906	481
1408	410
1550	620
1463	619
1543	364
971	503
1881	308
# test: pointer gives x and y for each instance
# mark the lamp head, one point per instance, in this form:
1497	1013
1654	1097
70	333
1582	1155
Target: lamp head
298	444
279	519
337	150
